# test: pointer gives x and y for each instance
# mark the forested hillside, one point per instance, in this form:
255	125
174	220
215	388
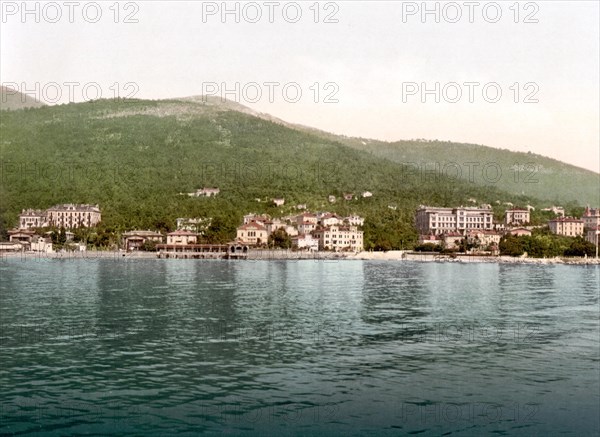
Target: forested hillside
134	158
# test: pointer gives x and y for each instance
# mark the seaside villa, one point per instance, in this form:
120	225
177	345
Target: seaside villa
253	233
134	240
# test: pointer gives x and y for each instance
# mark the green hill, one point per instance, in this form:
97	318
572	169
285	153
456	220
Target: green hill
11	99
521	173
134	158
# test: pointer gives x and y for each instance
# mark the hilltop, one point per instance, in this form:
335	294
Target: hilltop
134	158
12	99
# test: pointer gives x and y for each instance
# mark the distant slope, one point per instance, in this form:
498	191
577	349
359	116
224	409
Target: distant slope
515	172
11	99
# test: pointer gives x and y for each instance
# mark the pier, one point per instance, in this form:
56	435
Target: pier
202	251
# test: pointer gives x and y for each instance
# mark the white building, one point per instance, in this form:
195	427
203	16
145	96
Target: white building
558	210
199	225
483	239
306	227
279	201
430	239
32	218
436	221
272	225
252	233
451	240
568	226
339	238
306	242
182	237
67	215
367	194
262	219
41	244
517	216
355	220
593	235
275	224
72	216
291	230
307	217
205	192
331	220
591	217
134	240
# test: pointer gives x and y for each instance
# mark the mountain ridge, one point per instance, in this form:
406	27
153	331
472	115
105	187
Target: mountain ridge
11	99
552	181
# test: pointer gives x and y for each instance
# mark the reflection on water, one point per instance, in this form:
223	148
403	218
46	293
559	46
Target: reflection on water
301	347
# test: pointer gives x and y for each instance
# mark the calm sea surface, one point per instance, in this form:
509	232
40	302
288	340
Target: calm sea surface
164	347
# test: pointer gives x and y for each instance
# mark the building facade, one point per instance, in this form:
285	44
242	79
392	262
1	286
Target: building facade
519	232
182	237
306	217
591	217
72	216
452	240
339	238
517	216
205	192
199	225
570	227
262	219
331	220
67	215
593	235
23	236
306	227
253	233
305	242
558	210
134	240
483	239
355	220
437	221
32	218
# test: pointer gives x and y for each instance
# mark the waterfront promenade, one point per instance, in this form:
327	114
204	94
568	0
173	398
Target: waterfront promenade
280	254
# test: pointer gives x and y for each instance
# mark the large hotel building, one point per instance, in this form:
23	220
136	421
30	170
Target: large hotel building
437	221
67	215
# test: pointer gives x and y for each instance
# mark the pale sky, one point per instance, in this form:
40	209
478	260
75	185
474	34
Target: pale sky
368	57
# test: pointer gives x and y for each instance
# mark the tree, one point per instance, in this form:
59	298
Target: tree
580	247
511	245
428	247
62	236
222	229
149	246
280	239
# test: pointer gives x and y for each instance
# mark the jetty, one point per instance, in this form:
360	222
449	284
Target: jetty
202	251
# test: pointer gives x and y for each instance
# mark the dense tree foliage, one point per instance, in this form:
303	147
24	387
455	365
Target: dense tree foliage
280	239
543	244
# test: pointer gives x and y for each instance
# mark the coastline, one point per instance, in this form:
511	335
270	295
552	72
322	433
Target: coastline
277	255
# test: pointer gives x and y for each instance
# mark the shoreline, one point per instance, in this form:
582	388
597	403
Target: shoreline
283	255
